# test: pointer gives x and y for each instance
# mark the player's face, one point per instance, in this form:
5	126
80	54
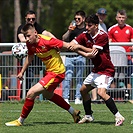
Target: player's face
30	18
101	17
79	20
31	36
92	28
121	19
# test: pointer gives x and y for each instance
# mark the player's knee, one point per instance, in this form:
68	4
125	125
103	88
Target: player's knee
101	93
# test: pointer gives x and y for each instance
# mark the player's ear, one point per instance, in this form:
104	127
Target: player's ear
96	25
116	18
35	32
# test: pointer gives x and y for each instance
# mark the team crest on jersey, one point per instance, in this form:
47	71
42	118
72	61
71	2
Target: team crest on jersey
127	31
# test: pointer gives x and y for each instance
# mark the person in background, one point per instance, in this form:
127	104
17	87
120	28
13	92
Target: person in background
122	32
102	13
103	71
30	17
74	63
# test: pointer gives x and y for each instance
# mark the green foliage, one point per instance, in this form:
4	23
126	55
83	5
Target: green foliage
46	117
57	14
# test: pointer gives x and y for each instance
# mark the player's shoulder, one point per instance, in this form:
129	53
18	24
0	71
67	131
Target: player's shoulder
128	26
44	37
102	33
113	27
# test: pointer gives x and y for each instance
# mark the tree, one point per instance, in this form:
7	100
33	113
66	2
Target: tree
17	18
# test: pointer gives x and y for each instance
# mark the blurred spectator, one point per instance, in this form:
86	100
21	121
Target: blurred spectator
74	63
122	32
102	13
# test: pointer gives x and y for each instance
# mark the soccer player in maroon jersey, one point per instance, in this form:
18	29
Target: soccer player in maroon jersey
46	48
103	72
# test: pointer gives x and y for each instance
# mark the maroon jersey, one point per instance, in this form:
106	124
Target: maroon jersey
102	61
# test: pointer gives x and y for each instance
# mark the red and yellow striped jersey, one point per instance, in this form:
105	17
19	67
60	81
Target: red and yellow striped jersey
47	50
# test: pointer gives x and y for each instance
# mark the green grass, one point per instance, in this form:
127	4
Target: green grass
49	118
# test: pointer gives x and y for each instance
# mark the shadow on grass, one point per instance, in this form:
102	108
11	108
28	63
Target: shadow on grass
53	123
103	122
46	123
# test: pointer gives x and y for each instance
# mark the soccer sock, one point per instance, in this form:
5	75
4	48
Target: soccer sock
58	100
21	120
28	105
111	105
71	110
118	114
87	107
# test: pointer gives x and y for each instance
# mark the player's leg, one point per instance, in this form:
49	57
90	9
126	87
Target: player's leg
28	105
103	85
85	89
50	84
86	104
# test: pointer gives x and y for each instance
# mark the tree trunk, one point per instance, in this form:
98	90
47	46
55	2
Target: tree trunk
31	5
39	3
17	18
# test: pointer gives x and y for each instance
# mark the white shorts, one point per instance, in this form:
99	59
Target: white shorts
98	81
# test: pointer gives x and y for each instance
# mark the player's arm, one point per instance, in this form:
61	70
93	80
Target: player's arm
84	51
75	46
89	55
28	60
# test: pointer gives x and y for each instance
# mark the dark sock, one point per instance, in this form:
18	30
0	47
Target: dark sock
87	107
111	105
58	100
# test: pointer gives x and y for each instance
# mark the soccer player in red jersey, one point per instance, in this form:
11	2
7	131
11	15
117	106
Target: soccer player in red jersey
46	48
103	72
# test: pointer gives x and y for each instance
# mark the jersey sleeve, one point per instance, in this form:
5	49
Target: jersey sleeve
101	41
55	43
80	39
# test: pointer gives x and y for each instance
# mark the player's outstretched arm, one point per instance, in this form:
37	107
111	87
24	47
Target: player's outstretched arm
28	61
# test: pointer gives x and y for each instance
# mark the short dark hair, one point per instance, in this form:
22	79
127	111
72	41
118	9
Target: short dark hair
122	12
92	19
81	13
26	27
30	12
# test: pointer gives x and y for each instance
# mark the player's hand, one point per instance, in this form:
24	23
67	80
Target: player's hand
92	54
20	76
73	47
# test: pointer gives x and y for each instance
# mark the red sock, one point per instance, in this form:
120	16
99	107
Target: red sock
28	105
58	100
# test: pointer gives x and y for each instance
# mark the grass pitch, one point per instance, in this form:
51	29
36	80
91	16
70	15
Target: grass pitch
46	117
